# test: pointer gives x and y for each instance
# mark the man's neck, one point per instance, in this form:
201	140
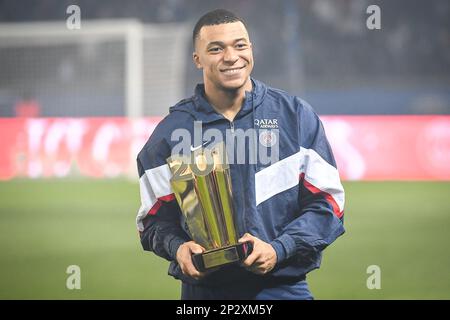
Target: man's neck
227	102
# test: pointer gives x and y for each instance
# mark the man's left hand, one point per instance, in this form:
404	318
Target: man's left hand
263	257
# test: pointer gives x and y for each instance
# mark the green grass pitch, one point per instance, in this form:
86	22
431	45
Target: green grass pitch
47	225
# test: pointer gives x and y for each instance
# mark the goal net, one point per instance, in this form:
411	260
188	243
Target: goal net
106	68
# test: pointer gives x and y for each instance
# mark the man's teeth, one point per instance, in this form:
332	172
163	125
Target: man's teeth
232	71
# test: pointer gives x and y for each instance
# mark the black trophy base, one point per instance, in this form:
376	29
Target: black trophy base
221	256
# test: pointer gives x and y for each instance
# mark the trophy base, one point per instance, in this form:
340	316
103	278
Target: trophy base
221	256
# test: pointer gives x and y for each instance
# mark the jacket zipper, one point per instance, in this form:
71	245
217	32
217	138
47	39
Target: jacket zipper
244	220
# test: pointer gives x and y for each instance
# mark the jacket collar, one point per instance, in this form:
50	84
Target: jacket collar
205	112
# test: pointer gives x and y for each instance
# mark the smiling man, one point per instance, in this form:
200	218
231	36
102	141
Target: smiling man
224	52
290	209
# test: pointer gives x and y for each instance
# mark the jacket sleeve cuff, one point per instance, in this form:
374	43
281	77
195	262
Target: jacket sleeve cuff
284	246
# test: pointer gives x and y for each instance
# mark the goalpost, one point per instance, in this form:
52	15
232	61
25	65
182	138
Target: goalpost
106	68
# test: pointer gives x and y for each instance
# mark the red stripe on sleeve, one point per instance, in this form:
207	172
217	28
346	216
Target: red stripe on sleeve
328	197
159	203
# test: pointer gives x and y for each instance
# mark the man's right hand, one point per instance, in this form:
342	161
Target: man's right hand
184	258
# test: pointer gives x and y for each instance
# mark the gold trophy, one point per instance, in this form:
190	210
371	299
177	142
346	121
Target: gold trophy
202	187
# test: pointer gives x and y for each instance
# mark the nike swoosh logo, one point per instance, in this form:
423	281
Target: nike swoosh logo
204	144
198	147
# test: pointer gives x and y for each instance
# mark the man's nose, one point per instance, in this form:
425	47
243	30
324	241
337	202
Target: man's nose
230	55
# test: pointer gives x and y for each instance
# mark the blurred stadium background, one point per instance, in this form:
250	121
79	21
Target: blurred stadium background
76	106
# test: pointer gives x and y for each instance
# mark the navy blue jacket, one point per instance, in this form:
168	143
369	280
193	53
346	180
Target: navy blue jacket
296	204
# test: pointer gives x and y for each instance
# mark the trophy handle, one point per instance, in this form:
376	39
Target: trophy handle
222	256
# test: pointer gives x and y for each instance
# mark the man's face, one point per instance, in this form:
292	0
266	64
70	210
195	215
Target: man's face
224	52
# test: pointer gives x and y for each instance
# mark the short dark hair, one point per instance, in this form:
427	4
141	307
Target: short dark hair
215	17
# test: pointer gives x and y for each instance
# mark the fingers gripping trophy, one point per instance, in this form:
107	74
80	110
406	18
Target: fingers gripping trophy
202	187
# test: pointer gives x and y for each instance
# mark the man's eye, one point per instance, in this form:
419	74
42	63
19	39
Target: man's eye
214	49
241	45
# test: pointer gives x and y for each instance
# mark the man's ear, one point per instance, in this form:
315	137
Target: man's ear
196	59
